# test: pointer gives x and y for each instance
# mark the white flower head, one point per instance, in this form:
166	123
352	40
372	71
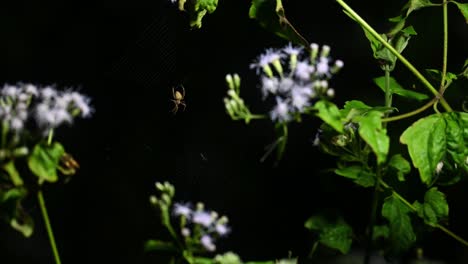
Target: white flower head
222	229
304	70
269	85
301	97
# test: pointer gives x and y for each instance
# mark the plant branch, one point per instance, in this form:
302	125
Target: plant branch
376	35
373	218
445	50
412	113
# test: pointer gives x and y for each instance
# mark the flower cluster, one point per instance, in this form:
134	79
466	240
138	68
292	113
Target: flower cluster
296	84
48	107
201	226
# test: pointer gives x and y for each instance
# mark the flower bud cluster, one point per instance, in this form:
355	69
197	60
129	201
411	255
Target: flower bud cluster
294	78
48	107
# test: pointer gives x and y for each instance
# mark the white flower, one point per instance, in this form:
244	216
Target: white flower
82	103
207	243
322	66
202	218
269	85
222	229
265	59
281	111
286	84
290	50
304	70
185	232
300	97
48	93
182	209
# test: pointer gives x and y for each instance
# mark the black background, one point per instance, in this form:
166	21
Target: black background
126	55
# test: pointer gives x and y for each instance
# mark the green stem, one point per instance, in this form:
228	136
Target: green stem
388	91
373	218
445	50
50	136
50	233
376	35
438	226
409	114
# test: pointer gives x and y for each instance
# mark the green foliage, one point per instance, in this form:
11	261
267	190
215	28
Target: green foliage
437	75
414	5
400	165
158	245
360	175
463	7
397	38
374	134
434	138
435	207
44	161
330	114
10	169
396	88
13	212
271	15
336	233
401	235
380	231
197	9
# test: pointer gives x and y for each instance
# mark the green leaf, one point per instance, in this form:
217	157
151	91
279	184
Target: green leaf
437	75
336	234
330	114
400	165
435	137
426	143
374	134
435	206
158	245
227	258
197	9
463	9
360	175
13	212
44	160
396	88
464	73
271	15
10	168
381	231
414	5
401	231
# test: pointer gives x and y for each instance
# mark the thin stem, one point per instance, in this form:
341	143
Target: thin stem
373	218
442	228
376	35
445	51
48	226
412	113
388	91
50	136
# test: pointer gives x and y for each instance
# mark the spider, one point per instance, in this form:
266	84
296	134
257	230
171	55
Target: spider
178	99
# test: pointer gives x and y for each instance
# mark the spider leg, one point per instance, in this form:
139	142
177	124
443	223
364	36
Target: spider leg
183	90
173	92
182	103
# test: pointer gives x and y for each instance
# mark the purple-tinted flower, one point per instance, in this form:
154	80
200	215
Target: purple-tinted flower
304	70
222	229
301	97
281	111
207	243
182	209
202	218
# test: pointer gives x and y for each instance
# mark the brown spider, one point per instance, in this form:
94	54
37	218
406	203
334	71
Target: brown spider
178	99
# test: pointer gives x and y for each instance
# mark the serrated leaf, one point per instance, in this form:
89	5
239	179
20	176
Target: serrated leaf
158	245
400	165
401	231
434	208
463	9
360	175
330	114
44	160
396	88
353	108
271	15
374	134
336	234
431	138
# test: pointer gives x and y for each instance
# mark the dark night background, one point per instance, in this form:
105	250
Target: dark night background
127	55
